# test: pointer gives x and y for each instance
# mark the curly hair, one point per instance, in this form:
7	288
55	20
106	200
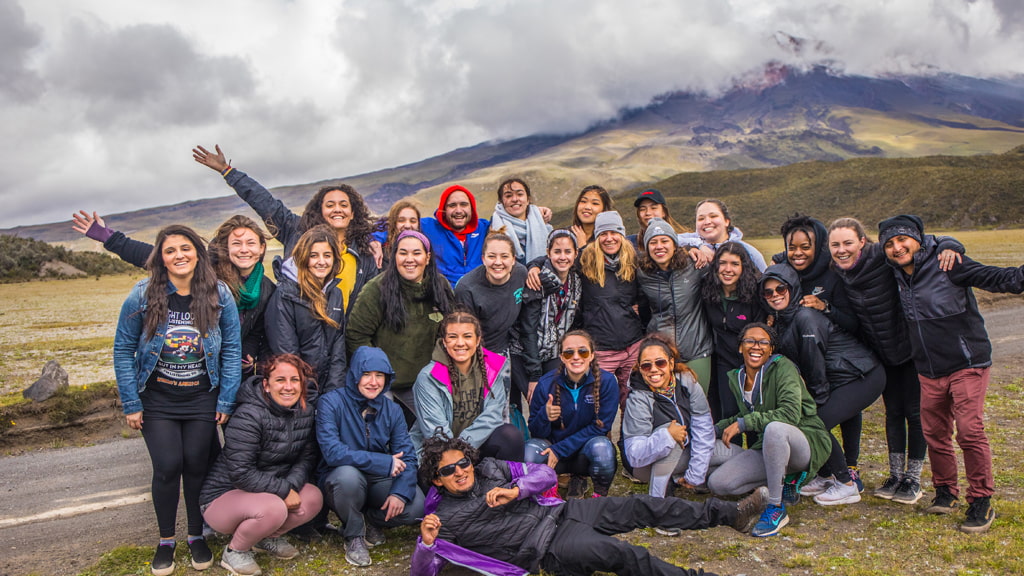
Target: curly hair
461	315
311	287
748	285
434	449
357	233
799	223
658	340
306	373
205	306
773	337
226	271
679	261
595	371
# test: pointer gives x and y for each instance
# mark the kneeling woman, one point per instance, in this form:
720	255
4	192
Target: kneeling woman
571	414
774	404
667	424
259	487
462	392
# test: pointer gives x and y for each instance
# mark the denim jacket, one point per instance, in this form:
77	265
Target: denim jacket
136	354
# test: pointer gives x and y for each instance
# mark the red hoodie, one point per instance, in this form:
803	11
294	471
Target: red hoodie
473	220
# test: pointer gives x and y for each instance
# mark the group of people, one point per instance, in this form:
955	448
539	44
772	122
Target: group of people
446	370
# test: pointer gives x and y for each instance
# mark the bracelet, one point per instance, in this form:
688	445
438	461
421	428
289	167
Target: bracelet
227	171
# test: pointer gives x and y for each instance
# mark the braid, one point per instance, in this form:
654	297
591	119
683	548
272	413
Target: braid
557	393
481	366
597	402
453	375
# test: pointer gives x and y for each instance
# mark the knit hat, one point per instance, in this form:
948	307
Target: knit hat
609	222
658	227
649	194
902	225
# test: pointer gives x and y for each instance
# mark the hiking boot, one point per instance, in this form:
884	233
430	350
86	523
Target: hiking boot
855	476
202	557
671	532
838	493
980	515
163	560
749	509
239	563
356	552
373	534
944	501
817	486
909	492
577	488
772	520
888	488
277	547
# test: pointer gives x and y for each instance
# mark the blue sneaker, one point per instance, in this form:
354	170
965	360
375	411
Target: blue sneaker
772	520
791	488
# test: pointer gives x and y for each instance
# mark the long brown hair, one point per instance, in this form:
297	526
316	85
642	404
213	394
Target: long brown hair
305	371
606	202
595	371
392	220
205	306
226	271
311	288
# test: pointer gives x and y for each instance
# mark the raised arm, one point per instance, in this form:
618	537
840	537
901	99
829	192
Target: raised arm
92	226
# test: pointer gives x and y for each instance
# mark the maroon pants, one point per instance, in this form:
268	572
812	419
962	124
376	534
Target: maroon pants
958	399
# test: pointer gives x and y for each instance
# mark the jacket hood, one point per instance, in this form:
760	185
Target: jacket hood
473	219
787	275
367	359
822	255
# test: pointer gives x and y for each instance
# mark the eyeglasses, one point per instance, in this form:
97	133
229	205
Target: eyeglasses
568	353
780	290
446	471
761	343
660	363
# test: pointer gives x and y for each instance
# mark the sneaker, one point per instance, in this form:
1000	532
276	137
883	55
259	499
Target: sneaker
356	552
163	560
749	509
791	488
944	501
772	520
980	515
277	547
817	486
855	476
577	488
239	563
672	532
202	557
888	488
909	492
373	534
838	493
629	476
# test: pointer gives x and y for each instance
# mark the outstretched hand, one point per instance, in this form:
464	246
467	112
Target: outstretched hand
216	161
82	221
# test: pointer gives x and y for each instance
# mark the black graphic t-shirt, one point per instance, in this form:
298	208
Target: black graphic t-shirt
179	386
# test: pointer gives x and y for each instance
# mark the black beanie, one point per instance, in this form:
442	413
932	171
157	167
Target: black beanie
902	225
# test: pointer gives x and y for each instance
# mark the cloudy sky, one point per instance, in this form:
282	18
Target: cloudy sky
102	100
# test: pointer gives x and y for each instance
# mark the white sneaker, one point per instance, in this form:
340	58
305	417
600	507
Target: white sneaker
839	493
817	486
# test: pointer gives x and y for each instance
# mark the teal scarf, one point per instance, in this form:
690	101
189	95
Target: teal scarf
249	292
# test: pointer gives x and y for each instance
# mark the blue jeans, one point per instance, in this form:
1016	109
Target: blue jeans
596	459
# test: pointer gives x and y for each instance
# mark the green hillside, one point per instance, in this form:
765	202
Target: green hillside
21	259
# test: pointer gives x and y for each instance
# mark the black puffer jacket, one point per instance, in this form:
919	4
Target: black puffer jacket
727	319
607	311
267	448
827	355
292	328
822	281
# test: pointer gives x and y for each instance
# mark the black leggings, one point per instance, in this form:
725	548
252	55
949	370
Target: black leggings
902	399
180	451
845	403
505	443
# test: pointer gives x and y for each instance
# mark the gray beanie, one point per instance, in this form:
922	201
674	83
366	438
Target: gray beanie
608	222
658	227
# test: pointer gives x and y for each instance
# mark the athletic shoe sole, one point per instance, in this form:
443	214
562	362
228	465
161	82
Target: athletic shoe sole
202	565
671	532
163	571
782	524
233	572
909	501
979	529
852	499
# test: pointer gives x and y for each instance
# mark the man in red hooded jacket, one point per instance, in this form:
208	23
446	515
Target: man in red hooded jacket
456	233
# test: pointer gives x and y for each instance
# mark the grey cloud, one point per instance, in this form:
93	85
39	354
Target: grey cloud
17	39
144	75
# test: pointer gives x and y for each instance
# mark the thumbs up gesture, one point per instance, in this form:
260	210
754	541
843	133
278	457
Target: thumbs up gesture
554	411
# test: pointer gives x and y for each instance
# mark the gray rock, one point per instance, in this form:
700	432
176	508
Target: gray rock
54	378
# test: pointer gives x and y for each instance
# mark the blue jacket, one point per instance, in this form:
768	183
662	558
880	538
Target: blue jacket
454	259
347	438
578	417
136	354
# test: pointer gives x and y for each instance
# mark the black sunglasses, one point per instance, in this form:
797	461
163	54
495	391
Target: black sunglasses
445	471
780	290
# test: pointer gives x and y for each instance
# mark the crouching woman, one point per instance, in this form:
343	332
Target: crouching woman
259	487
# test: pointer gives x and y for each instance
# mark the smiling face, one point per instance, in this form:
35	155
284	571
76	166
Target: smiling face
562	254
407	219
576	366
457	210
284	385
461	341
245	250
321	260
756	348
515	200
845	246
901	249
371	384
655	367
610	242
730	267
179	257
411	259
712	225
589	206
498	259
661	249
336	209
800	250
649	209
462	480
776	300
